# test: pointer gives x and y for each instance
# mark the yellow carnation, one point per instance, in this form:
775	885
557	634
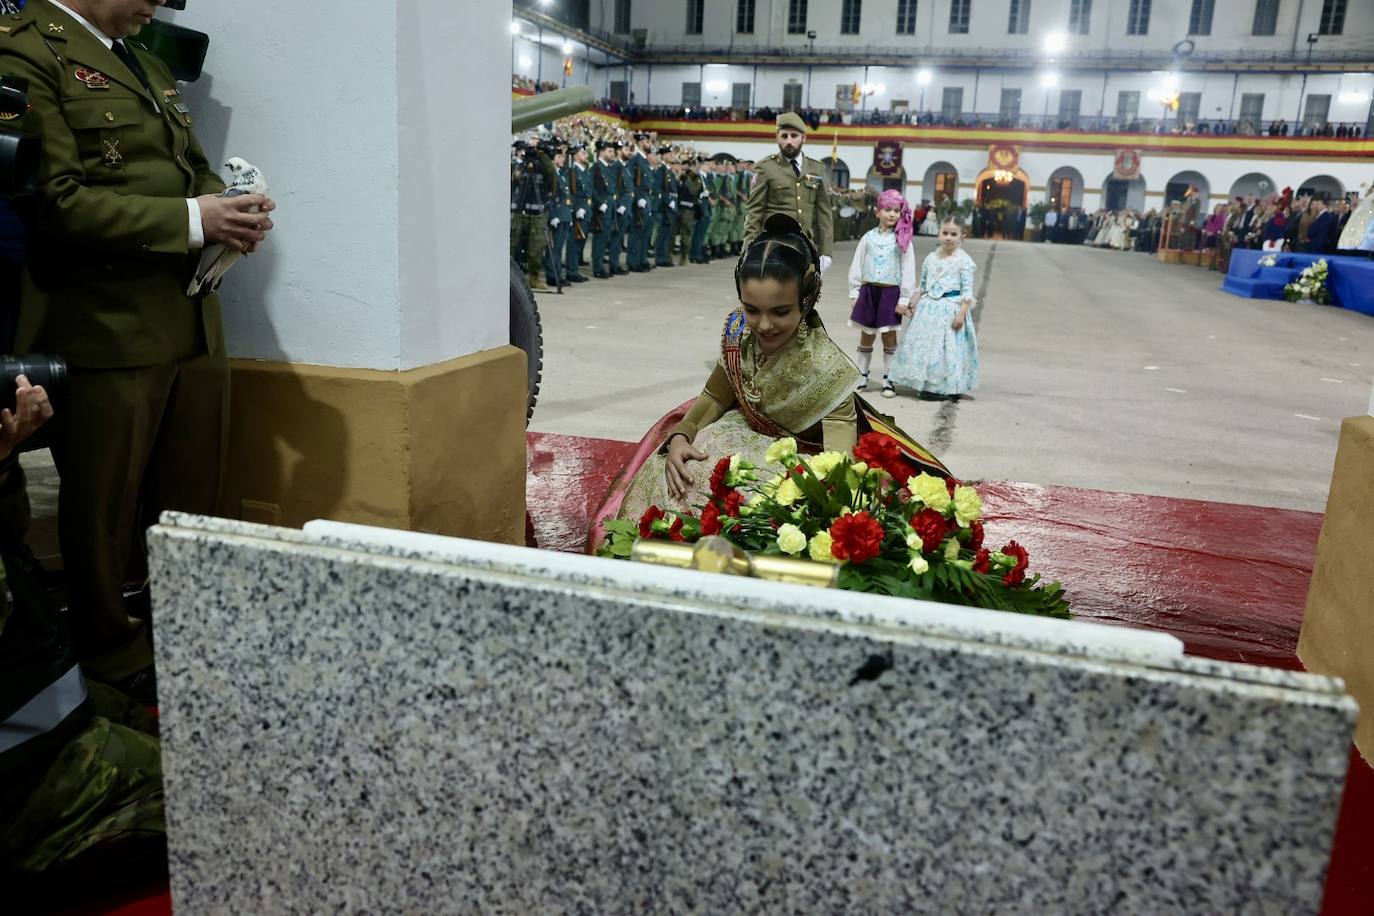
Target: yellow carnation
918	563
788	492
820	548
780	451
967	506
791	540
929	490
825	462
952	549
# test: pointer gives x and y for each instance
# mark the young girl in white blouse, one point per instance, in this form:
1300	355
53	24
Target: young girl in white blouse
882	280
939	352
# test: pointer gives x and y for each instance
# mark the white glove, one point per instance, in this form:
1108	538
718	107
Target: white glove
581	214
620	210
825	263
601	209
705	195
672	205
554	222
643	203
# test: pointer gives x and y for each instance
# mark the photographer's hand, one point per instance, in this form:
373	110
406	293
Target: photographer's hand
32	409
231	220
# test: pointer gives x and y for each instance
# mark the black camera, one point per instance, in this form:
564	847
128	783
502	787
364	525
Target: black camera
18	152
47	371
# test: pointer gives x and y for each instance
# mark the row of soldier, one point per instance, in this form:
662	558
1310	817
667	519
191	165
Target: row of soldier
635	203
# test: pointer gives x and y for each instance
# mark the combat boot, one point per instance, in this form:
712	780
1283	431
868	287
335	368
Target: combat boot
537	282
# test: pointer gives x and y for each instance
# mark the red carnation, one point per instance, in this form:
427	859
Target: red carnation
733	500
982	561
930	525
1018	573
675	531
950	484
975	541
646	521
710	520
718	487
879	451
856	538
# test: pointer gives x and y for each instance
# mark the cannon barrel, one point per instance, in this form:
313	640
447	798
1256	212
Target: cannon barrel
548	106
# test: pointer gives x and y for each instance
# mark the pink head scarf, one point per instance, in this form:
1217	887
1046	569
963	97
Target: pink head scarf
893	200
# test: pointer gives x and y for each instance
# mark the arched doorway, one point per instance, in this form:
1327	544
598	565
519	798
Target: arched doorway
1177	188
886	182
941	183
1065	188
1121	194
836	173
1322	186
1000	203
1253	184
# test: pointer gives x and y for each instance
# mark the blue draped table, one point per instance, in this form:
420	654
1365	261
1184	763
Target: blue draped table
1350	279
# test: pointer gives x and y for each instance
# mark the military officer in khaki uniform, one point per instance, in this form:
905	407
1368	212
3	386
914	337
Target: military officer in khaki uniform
789	182
125	202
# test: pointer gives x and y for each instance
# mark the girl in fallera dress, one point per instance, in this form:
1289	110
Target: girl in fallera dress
882	279
938	355
778	374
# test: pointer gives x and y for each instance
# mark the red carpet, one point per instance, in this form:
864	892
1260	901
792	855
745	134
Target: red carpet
1230	581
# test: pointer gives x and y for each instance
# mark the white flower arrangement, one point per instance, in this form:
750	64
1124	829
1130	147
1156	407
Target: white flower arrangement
1310	285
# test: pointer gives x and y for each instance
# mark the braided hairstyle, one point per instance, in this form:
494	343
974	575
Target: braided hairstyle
782	252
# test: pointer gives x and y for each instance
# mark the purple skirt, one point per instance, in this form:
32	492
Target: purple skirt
876	308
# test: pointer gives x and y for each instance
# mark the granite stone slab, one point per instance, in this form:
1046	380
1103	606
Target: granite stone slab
346	728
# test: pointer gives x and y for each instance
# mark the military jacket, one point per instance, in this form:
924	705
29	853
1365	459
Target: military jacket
580	187
562	206
105	285
623	190
639	171
777	189
665	187
689	191
603	186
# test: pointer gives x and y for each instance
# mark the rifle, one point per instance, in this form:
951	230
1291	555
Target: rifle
550	249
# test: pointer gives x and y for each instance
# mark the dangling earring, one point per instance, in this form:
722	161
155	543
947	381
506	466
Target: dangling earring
803	329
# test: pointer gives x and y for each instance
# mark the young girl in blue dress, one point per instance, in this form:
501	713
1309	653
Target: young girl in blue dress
938	355
882	279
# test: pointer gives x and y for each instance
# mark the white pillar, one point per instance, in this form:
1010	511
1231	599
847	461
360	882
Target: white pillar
369	336
382	128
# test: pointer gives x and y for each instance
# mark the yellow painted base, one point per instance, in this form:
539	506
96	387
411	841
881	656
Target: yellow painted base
440	448
1338	626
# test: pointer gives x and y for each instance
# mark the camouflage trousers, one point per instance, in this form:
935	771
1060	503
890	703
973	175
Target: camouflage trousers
99	805
528	242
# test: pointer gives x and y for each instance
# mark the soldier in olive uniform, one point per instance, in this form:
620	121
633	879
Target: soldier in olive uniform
688	209
560	212
725	218
789	182
743	176
580	193
700	252
603	208
666	190
125	202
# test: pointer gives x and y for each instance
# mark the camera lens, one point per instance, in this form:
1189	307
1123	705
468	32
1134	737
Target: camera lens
46	371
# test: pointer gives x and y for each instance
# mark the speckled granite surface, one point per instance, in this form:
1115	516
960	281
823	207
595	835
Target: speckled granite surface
372	733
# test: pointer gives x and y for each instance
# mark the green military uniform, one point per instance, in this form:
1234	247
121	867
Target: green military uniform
689	198
530	212
743	180
722	213
143	424
80	768
778	188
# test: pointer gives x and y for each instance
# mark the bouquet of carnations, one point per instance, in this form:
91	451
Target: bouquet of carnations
1311	284
892	534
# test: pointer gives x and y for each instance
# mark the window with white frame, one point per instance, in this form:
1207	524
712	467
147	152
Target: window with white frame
849	16
1138	18
1266	17
796	17
1200	18
1333	17
1080	16
952	103
959	16
1018	17
906	17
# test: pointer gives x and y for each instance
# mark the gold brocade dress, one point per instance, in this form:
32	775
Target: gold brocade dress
805	390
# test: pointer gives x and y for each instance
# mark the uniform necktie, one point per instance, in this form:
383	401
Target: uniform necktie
127	57
796	168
